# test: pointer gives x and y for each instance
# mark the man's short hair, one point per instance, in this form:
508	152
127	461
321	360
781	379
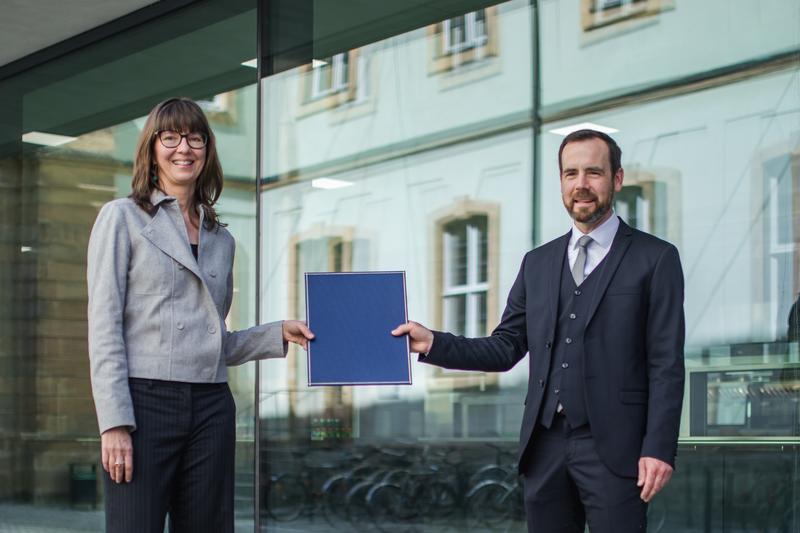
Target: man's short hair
614	151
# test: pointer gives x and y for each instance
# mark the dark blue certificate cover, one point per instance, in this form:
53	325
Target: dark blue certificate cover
352	315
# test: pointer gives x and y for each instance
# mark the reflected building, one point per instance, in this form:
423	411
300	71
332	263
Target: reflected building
423	140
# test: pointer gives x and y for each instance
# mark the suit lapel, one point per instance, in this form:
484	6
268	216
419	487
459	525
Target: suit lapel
554	281
169	236
618	248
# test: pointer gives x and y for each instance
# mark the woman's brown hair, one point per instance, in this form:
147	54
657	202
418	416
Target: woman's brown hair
181	115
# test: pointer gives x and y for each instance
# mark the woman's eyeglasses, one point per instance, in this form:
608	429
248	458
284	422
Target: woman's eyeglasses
172	139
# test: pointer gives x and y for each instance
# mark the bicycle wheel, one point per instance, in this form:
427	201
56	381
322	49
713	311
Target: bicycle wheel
443	500
285	498
385	503
487	506
334	502
356	502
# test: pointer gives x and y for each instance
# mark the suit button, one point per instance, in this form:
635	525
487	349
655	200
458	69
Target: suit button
180	325
564	365
548	344
213	273
568	340
577	292
541	383
556	391
212	329
572	316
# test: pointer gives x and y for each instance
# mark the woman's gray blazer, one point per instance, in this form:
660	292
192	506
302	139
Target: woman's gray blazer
155	312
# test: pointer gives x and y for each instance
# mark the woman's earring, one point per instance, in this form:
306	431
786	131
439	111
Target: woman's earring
154	179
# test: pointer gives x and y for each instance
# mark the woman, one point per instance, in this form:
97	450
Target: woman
160	285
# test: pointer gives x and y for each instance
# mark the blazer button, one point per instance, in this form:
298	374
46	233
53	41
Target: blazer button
548	344
212	329
180	325
213	273
541	383
568	340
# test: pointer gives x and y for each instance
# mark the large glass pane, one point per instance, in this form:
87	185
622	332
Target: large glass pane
716	173
50	472
409	165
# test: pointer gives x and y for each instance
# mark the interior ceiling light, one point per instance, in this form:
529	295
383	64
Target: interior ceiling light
316	63
46	139
566	130
330	183
252	63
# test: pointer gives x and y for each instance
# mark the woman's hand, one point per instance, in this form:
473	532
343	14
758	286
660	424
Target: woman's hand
117	453
297	332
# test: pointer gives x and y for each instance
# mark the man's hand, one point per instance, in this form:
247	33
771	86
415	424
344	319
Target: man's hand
420	337
117	454
653	475
297	332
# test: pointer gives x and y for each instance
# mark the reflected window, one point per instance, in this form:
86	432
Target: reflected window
463	40
597	14
464	32
466	239
465	254
332	81
325	413
746	402
221	109
781	189
330	75
650	201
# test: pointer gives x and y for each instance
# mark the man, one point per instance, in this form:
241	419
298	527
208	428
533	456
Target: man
600	311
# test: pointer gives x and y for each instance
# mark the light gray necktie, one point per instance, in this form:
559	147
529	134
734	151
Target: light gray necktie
580	261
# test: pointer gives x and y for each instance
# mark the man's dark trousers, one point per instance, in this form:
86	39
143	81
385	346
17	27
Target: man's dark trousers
566	485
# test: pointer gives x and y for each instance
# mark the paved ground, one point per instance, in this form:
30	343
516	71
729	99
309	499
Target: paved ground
26	518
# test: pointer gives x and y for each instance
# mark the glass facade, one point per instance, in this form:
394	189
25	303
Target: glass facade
399	137
434	151
97	99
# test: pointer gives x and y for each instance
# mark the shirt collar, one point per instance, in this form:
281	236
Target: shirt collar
603	234
157	196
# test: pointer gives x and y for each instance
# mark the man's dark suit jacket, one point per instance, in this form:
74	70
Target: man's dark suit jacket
633	345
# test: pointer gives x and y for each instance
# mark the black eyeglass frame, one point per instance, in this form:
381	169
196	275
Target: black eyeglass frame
181	137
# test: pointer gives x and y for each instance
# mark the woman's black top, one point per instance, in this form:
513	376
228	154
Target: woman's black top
194	250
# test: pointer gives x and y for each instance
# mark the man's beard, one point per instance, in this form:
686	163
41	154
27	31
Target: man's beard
589	214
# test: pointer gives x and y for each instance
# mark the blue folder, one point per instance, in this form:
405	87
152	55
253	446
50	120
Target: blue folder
352	315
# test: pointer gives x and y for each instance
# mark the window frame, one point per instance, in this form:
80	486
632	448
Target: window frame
311	100
473	287
442	59
464	208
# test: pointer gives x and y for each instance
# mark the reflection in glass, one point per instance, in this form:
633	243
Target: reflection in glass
424	163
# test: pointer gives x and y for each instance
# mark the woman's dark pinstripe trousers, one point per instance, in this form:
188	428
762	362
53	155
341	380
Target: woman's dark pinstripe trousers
183	460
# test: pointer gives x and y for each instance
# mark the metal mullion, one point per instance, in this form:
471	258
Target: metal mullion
257	385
